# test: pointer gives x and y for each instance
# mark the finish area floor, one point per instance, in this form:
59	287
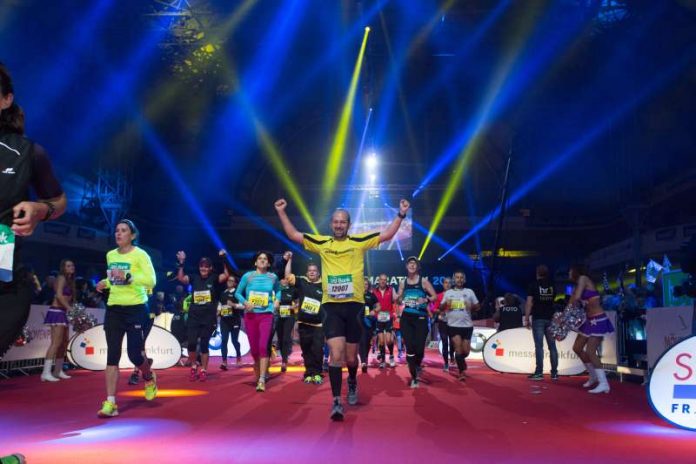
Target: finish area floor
490	417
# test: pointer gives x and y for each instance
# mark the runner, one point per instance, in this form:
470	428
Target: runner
231	312
386	296
202	318
309	319
440	316
342	259
259	292
369	320
286	318
460	302
415	292
130	276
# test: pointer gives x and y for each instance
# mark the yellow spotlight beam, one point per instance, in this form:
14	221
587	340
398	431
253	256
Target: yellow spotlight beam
339	144
465	155
274	156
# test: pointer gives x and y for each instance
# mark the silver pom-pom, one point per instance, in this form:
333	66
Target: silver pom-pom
568	320
80	319
25	337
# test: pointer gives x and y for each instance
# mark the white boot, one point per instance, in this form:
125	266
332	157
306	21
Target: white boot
46	375
58	369
592	379
603	386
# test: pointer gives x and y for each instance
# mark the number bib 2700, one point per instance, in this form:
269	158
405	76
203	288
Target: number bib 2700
341	286
258	299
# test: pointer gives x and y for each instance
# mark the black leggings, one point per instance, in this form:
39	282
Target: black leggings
284	326
229	326
200	325
444	337
364	347
312	345
15	303
129	321
415	332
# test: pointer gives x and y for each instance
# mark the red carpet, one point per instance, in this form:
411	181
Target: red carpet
492	417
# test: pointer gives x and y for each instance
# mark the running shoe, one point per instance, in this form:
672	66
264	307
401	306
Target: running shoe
392	362
203	376
261	386
364	368
337	411
382	365
445	368
134	378
308	379
193	375
414	383
223	366
239	360
535	376
151	387
352	393
318	379
108	409
284	367
554	376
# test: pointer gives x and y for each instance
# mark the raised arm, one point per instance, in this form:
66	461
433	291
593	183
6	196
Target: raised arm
288	264
180	276
290	230
393	228
226	271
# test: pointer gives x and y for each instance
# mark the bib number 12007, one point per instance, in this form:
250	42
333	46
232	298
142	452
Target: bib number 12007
340	286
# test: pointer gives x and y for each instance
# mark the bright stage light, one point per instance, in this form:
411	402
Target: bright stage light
373	178
372	161
367	29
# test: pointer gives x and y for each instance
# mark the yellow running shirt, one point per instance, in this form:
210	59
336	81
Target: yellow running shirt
342	264
137	265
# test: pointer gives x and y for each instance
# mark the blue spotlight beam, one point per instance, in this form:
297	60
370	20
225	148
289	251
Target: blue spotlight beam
66	65
165	160
605	124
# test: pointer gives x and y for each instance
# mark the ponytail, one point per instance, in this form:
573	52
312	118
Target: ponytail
12	118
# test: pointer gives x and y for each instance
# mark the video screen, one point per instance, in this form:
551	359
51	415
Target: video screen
370	219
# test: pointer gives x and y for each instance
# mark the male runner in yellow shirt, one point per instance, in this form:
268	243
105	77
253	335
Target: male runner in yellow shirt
342	262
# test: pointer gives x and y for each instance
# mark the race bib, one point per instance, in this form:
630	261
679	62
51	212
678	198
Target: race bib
284	310
341	287
311	306
7	245
258	299
117	273
225	311
202	297
457	305
410	302
383	316
367	311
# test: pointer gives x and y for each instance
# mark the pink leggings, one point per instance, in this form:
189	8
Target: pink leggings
258	329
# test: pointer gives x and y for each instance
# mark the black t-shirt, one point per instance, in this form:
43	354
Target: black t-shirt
287	296
228	299
370	303
510	317
23	165
306	312
543	294
205	293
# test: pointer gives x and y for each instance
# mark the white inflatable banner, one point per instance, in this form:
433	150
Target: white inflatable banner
672	387
88	349
512	351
